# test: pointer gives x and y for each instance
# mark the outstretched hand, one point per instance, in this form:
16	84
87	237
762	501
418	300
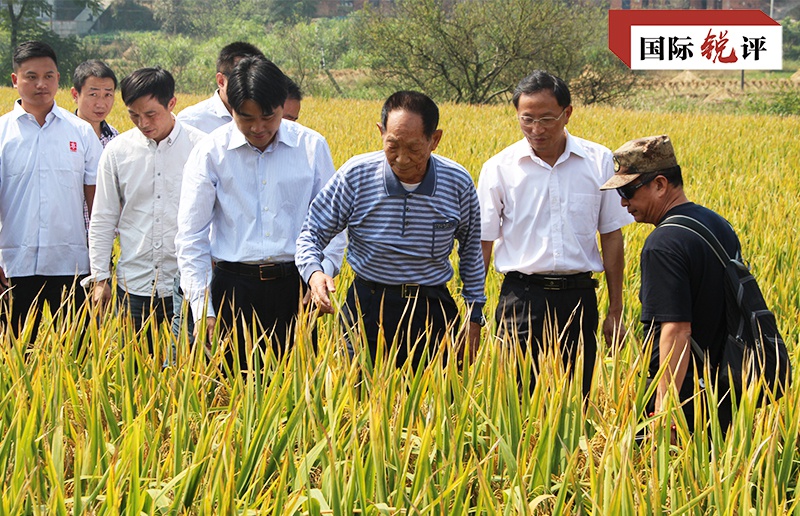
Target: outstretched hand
320	285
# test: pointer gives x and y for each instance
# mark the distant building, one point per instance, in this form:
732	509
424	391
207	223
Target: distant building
691	4
67	18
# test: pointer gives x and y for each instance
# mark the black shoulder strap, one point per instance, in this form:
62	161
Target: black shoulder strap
697	227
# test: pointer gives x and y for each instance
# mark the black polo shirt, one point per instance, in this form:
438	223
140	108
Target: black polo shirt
683	281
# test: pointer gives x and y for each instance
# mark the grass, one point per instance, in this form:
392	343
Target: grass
91	424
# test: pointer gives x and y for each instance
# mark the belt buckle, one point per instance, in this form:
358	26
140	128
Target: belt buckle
262	269
554	283
409	290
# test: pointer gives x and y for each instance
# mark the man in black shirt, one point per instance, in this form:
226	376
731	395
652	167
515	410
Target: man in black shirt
683	290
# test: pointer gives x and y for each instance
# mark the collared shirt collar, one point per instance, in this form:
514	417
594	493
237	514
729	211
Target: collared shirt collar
171	137
218	107
395	188
283	136
105	129
572	147
20	111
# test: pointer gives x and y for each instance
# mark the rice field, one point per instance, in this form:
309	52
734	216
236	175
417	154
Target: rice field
92	424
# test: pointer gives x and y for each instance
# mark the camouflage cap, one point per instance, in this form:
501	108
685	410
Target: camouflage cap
641	156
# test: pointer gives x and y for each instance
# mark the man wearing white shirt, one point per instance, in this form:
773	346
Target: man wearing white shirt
138	190
541	210
216	111
48	165
245	194
207	116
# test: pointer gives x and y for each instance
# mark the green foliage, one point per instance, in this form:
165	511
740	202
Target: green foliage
791	38
781	104
174	53
306	50
20	18
303	50
70	51
604	79
130	15
475	51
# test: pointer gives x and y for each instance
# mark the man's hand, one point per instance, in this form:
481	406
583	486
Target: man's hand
614	327
3	279
320	285
210	323
101	293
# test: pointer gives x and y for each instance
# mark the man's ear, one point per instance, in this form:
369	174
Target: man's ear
381	129
436	137
74	94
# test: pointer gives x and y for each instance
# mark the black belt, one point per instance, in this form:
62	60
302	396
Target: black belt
406	290
262	271
556	282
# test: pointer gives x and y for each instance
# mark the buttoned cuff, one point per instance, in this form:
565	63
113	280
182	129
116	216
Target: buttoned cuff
94	278
201	305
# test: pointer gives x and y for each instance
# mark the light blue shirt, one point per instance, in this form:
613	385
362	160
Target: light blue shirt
43	170
206	115
239	204
396	236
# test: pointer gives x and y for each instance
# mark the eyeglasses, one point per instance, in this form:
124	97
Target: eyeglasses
628	191
545	121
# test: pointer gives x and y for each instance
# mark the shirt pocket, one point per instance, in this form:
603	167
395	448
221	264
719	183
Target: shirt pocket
442	236
69	179
584	212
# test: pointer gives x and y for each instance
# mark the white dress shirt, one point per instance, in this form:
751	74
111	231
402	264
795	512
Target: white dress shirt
138	190
545	219
239	204
206	115
43	170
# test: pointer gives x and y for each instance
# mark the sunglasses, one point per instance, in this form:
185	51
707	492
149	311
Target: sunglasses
628	191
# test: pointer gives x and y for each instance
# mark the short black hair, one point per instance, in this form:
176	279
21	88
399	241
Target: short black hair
32	50
232	52
539	80
413	102
148	81
673	175
92	68
257	79
293	91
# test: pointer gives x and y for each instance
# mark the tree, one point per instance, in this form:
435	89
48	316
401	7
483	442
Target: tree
477	50
22	15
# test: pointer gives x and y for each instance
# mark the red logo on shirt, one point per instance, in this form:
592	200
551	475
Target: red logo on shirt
73	146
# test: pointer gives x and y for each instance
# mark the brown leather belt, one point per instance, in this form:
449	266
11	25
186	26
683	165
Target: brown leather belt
262	271
557	282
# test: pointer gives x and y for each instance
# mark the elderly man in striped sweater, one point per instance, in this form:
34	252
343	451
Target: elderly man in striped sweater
403	209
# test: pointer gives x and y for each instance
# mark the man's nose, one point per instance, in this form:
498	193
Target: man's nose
538	128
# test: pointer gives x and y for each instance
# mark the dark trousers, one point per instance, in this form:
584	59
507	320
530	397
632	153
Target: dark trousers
141	308
528	311
274	303
32	292
406	322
